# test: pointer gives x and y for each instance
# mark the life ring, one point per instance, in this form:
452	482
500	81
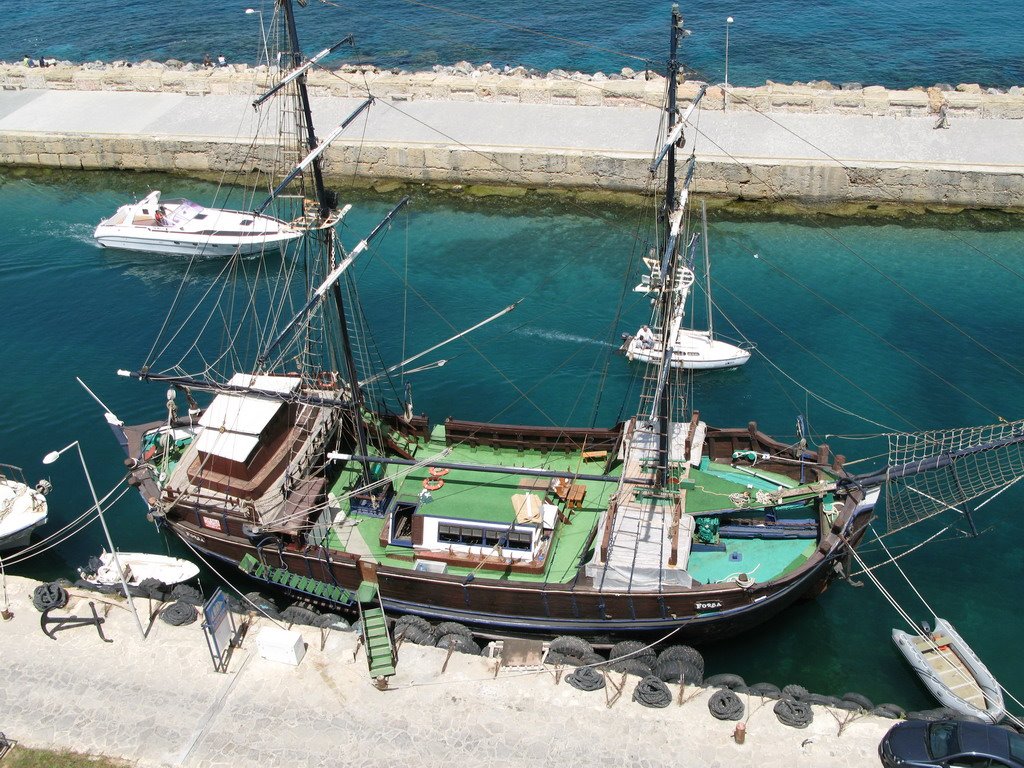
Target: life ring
326	380
433	483
438	471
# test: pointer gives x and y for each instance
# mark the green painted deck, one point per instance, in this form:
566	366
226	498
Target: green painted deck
487	498
761	559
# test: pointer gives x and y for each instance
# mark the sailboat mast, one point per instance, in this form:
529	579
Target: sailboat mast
707	265
307	113
667	295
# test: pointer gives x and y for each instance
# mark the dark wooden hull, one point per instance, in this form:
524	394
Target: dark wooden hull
524	609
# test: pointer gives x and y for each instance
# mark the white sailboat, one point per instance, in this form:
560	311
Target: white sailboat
22	509
185	228
692	348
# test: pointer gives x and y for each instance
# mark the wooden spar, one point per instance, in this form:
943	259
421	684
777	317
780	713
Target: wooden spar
311	157
449	340
492	468
330	280
301	70
673	137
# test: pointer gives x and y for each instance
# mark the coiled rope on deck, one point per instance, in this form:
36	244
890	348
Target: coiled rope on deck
178	614
652	692
796	714
47	596
586	679
725	705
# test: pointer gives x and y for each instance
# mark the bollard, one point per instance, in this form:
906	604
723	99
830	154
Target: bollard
740	734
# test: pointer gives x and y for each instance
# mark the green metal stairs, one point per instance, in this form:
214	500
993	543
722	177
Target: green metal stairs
380	652
305	584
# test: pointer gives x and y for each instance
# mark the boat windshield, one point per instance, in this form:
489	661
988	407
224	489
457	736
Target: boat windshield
942	739
186	211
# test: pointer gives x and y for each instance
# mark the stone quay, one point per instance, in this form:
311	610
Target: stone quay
813	144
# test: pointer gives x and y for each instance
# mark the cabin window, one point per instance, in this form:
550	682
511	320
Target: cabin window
199	216
243	222
473	536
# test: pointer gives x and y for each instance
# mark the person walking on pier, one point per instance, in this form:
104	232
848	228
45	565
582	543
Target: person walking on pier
943	121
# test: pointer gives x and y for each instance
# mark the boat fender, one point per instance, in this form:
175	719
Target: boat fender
433	483
570	645
860	700
890	711
150	453
724	681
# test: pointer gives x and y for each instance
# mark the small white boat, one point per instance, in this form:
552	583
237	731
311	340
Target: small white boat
137	567
186	228
22	509
952	672
692	348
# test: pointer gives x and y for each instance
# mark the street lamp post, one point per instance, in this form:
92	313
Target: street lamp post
725	93
51	457
263	34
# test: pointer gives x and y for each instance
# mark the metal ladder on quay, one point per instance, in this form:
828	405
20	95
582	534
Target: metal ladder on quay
380	650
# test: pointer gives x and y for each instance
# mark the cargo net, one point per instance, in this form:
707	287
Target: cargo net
930	472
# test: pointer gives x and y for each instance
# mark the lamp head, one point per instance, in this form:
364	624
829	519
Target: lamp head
250	11
51	457
727	21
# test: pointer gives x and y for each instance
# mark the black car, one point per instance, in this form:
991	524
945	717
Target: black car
950	744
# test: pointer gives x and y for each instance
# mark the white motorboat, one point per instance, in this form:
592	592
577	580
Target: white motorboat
186	228
22	509
137	567
952	672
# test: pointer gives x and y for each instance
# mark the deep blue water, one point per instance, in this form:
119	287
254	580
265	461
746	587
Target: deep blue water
72	309
898	43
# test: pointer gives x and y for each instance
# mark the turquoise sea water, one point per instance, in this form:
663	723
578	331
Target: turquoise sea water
897	43
893	331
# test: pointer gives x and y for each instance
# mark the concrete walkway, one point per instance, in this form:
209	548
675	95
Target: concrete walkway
160	703
742	135
830	157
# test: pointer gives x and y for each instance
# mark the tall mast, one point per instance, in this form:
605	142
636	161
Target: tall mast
667	296
329	238
311	142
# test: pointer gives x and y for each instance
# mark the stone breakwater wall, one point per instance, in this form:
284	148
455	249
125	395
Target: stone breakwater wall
488	84
770	175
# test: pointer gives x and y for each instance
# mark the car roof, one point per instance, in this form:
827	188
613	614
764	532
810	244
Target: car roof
980	737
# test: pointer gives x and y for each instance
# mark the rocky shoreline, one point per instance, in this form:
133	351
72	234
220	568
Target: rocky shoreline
487	83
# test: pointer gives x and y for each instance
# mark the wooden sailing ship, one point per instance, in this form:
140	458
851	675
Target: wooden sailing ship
299	473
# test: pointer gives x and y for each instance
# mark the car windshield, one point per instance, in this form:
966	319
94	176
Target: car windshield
1016	746
942	739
